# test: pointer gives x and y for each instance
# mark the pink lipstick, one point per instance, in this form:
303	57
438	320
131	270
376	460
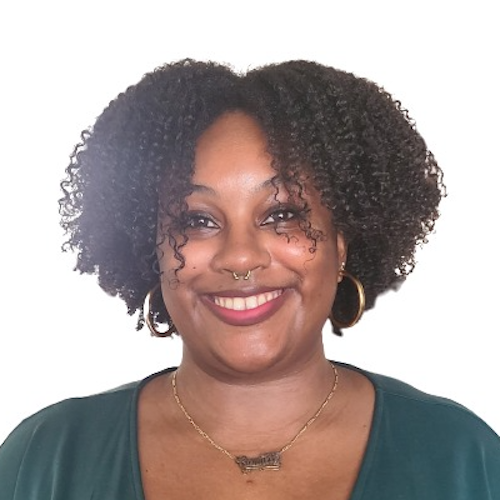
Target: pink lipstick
245	310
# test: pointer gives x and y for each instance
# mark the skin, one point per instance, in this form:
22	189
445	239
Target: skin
235	218
251	379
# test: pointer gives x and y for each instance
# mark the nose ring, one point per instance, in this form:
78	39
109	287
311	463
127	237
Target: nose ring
237	276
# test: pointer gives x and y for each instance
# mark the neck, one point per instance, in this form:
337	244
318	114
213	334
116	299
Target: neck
260	414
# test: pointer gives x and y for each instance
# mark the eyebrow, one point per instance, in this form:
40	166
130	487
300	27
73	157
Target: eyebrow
274	182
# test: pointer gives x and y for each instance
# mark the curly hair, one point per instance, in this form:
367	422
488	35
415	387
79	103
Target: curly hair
370	165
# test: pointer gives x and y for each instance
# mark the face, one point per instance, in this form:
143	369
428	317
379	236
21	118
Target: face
252	297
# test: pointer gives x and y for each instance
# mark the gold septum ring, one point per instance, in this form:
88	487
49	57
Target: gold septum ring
237	276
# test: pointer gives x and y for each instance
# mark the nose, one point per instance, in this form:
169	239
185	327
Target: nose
241	249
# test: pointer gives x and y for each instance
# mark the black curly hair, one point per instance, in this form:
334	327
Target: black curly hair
370	165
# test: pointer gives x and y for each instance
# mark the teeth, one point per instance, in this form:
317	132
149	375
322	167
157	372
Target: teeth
245	303
238	304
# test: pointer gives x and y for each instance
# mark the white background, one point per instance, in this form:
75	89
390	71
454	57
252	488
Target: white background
62	62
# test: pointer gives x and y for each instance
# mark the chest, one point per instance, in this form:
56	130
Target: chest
323	467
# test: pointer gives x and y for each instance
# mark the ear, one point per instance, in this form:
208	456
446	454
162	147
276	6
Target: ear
341	254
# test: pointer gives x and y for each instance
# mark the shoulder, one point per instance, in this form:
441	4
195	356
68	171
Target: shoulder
66	422
406	401
66	446
429	444
83	413
86	413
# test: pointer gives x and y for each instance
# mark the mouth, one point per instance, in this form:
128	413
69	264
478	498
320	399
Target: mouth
246	310
246	303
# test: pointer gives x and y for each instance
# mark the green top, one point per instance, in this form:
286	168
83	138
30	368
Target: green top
421	447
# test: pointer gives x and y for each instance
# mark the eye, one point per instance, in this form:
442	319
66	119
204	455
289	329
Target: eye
282	215
199	221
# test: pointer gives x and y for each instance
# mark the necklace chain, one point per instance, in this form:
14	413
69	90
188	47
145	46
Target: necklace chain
269	460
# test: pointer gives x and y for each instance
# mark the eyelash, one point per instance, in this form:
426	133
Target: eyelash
292	214
275	217
198	221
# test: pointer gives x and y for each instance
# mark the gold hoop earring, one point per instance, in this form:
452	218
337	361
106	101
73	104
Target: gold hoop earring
149	316
340	323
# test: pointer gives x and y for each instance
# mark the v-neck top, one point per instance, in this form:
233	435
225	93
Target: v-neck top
421	447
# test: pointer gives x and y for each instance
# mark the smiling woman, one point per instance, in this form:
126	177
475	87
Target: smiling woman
244	211
241	223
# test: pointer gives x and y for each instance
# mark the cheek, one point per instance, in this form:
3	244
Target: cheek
292	247
322	272
170	267
166	261
310	257
194	258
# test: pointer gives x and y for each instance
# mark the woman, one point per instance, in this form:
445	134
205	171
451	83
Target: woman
241	212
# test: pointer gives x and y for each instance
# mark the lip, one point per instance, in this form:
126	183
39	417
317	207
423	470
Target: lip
246	317
245	291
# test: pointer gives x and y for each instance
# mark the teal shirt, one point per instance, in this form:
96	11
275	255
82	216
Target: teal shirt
421	447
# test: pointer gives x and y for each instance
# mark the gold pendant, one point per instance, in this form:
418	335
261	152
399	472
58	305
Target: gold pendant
266	461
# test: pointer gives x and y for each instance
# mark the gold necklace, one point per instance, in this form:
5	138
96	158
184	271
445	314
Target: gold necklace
266	461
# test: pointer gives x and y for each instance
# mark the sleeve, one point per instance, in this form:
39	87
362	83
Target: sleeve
13	452
479	469
425	447
455	455
46	458
76	449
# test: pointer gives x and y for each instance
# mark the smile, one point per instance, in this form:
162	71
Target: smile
246	310
246	303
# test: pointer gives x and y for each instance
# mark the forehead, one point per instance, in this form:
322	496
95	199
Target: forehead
232	153
234	127
232	162
234	145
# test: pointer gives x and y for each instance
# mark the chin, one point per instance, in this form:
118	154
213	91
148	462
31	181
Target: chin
251	361
258	352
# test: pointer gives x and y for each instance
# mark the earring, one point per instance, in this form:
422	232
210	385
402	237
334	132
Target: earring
341	272
149	316
342	323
